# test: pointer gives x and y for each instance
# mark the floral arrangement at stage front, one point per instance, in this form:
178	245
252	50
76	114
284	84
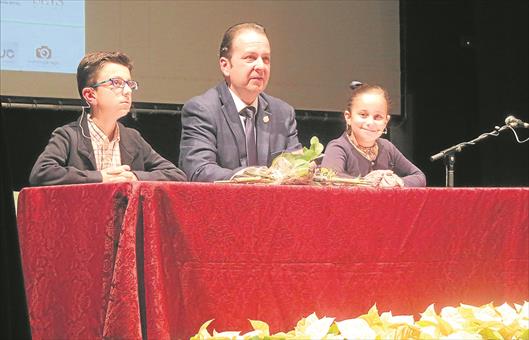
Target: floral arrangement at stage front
463	322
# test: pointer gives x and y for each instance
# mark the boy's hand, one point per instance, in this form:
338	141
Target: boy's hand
120	173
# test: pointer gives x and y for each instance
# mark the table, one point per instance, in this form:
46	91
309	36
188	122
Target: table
156	260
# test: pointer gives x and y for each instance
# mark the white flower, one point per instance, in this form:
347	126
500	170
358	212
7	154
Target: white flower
256	333
523	312
226	335
508	314
312	327
356	329
483	314
452	316
429	315
387	317
318	329
523	315
431	332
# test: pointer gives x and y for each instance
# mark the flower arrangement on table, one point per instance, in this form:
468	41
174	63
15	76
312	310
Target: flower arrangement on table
463	322
297	168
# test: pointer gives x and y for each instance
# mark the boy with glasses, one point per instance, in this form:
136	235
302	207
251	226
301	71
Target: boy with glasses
97	148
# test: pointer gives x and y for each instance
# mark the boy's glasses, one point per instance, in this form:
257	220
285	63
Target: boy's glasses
118	82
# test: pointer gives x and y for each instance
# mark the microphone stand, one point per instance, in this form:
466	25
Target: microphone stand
449	154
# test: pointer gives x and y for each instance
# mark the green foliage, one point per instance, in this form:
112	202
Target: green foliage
298	163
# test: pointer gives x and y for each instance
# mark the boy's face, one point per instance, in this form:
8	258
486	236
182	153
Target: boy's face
109	100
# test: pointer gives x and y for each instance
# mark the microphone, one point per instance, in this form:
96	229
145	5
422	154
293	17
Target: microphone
514	122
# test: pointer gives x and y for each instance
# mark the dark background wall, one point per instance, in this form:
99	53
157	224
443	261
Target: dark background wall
466	66
13	312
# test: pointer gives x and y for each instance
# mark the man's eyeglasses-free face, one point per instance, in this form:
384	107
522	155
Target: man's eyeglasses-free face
118	82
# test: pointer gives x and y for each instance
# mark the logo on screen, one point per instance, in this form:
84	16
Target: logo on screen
7	53
49	2
43	52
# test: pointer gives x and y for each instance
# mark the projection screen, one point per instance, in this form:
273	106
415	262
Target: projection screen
318	47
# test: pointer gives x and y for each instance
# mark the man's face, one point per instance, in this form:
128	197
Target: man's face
109	100
248	69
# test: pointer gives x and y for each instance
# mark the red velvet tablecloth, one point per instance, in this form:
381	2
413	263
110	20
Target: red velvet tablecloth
157	260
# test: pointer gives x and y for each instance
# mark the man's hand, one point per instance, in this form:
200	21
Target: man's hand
120	173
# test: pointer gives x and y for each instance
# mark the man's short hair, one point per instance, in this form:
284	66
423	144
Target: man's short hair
231	34
93	62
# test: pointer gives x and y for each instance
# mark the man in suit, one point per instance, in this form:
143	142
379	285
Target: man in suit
235	124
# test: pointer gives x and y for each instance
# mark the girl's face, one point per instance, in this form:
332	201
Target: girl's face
368	117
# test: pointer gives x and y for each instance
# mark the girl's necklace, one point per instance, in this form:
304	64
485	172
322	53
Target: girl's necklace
369	152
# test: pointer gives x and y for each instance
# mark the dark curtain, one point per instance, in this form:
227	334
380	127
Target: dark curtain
14	315
465	66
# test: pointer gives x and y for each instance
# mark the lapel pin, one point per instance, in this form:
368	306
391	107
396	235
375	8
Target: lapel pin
266	119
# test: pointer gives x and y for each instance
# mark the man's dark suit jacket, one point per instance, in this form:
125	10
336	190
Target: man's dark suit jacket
69	158
213	145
